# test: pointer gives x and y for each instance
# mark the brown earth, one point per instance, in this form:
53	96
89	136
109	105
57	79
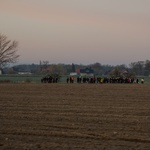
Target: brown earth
75	116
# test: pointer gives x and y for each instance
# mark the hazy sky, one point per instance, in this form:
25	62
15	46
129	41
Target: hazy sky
78	31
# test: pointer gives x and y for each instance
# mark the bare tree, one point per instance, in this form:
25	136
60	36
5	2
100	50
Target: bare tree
8	51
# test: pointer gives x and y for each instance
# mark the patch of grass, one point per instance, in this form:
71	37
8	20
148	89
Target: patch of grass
28	81
6	81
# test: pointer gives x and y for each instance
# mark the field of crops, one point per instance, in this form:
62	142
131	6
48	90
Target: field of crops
75	116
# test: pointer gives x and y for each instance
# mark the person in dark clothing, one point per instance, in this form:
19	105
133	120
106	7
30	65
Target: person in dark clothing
137	80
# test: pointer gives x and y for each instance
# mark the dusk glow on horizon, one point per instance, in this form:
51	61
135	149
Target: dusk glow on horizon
78	31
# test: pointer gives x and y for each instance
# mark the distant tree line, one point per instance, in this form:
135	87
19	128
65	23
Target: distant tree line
8	55
140	68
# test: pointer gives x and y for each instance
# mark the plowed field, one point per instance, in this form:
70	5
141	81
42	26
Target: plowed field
75	116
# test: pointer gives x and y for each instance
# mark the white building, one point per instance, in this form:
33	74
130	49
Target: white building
73	74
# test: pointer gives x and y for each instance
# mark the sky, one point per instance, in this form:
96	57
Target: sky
110	32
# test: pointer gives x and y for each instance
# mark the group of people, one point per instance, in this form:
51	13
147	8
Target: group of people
49	79
80	79
71	79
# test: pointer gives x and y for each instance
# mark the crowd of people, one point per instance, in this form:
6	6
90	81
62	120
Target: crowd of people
49	79
80	79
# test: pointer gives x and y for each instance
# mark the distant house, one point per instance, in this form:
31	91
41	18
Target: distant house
24	73
87	72
77	70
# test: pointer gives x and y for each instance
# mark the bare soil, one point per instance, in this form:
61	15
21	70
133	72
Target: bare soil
75	116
